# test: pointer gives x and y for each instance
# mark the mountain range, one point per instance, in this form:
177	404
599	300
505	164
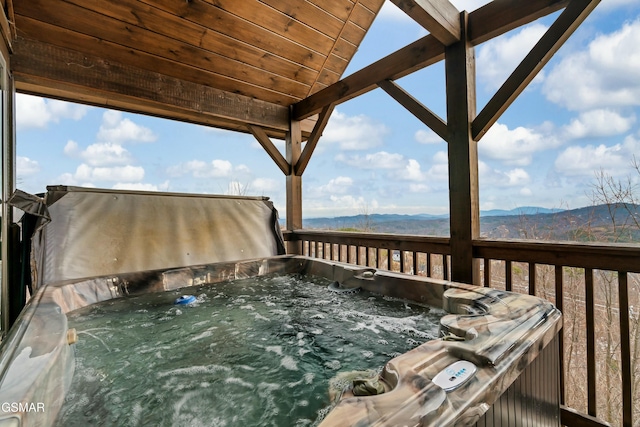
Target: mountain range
614	222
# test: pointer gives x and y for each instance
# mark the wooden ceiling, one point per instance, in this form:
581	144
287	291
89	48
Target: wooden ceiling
227	63
253	65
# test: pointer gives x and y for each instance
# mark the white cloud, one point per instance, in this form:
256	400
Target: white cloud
439	171
498	57
585	161
338	185
379	160
391	12
399	167
514	147
441	157
26	167
427	136
102	154
264	186
419	188
606	74
199	169
118	130
37	112
412	171
614	4
353	132
338	205
139	186
598	123
99	154
127	173
71	148
66	179
497	178
517	176
525	191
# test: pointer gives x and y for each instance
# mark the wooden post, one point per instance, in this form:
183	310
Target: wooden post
294	185
463	157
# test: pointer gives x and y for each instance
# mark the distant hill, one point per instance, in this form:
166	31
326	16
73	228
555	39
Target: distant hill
394	220
524	210
592	223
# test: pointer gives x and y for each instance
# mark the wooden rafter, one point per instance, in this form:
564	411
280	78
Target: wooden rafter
489	21
7	25
422	113
310	146
439	17
271	149
575	13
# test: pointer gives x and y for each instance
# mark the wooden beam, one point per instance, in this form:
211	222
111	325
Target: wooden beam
270	148
67	72
499	17
302	163
419	54
294	186
416	108
439	17
492	20
575	13
463	158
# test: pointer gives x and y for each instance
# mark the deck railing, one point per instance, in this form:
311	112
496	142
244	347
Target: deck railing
596	286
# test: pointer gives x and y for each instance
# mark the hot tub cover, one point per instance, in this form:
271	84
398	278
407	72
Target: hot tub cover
94	232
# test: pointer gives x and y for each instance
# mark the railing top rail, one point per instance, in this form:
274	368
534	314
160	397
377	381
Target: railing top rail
596	255
603	256
406	242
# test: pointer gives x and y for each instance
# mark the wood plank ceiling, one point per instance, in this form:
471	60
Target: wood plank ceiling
226	63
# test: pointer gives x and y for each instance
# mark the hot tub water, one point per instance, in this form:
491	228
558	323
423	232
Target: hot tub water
260	351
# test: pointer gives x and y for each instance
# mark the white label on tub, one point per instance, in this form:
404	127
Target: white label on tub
454	375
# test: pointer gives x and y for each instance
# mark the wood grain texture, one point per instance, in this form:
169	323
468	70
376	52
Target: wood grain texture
279	51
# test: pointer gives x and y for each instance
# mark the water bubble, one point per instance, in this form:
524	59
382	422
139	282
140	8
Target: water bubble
289	363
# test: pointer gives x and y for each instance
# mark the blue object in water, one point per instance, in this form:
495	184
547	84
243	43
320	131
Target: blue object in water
185	299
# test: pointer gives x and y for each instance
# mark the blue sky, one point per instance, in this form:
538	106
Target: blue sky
578	117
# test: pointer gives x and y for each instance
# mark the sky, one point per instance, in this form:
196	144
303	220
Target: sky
577	118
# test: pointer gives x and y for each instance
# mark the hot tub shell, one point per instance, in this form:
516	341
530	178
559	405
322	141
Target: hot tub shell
511	338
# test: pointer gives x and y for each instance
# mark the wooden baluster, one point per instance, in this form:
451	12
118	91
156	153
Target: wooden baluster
532	278
559	282
591	342
487	273
445	267
508	273
625	350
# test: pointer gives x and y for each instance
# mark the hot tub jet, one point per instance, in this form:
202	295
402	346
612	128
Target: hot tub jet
338	288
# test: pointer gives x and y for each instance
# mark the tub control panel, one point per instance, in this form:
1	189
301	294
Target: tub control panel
455	375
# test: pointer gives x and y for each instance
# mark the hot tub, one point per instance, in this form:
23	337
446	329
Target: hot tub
494	362
493	359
